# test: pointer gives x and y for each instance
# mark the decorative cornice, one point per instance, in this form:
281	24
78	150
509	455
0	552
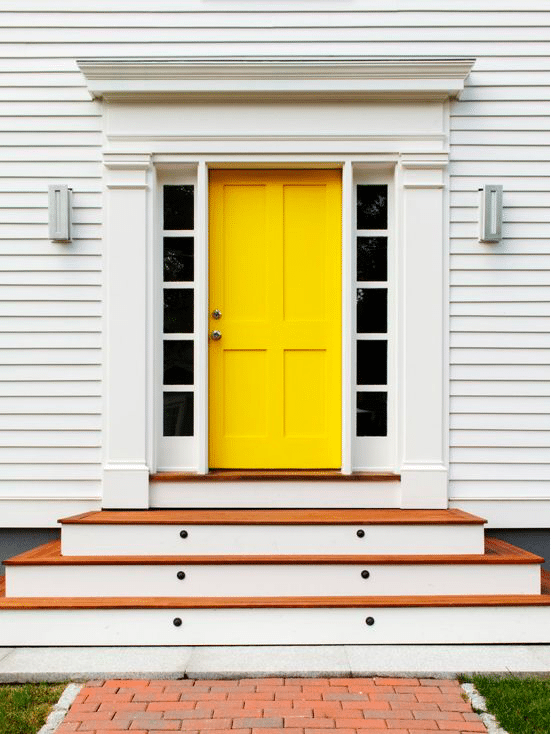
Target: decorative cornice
334	77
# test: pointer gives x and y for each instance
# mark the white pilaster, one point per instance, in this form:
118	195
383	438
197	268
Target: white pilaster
423	468
125	469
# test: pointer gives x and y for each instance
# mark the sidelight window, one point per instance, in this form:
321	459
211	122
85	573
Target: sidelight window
178	309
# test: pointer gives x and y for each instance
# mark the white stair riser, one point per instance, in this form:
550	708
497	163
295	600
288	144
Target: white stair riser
270	494
269	580
448	625
131	540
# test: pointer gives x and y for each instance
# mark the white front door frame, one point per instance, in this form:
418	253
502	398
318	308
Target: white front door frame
139	141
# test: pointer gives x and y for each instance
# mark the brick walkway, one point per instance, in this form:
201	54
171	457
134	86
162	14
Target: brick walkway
270	705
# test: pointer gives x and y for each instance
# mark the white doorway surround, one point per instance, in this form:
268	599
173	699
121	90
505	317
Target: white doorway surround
386	116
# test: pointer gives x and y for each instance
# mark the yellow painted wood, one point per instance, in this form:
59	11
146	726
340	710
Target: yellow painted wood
275	274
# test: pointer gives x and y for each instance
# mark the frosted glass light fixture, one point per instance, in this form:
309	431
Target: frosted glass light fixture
59	212
490	213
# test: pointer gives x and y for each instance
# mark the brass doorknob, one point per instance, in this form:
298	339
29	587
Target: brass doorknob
215	335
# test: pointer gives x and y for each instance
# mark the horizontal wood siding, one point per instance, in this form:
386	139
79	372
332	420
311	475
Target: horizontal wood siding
51	298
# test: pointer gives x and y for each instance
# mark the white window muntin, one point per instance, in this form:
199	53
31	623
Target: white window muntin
376	453
175	452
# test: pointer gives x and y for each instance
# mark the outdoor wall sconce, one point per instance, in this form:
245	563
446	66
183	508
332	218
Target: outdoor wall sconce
490	213
60	212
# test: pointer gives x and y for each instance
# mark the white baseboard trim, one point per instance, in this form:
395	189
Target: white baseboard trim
502	512
43	512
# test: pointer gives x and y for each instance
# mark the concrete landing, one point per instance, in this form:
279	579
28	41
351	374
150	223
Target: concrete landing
427	661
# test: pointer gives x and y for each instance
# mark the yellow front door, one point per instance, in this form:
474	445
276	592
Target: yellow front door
275	278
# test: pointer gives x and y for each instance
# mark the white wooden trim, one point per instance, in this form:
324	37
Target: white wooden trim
344	77
126	418
176	142
348	350
377	453
266	540
422	404
245	580
201	318
274	494
179	453
425	625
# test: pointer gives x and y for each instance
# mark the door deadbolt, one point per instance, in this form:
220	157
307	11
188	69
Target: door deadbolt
215	335
217	314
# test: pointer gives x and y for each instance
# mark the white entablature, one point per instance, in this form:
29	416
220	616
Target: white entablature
343	77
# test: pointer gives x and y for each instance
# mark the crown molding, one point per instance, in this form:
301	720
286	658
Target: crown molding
261	76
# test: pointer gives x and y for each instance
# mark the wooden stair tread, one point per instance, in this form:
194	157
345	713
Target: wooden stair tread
285	475
276	517
544	581
496	552
293	602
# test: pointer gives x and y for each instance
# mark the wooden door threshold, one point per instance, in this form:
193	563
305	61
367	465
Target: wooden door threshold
289	475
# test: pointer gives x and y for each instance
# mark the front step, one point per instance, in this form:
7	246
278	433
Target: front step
43	571
306	564
273	532
274	621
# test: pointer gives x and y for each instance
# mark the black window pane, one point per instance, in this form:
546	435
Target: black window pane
178	317
178	363
371	362
178	258
178	414
372	258
371	414
372	206
178	207
371	309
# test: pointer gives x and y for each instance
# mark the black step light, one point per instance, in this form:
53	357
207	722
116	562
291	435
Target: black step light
360	533
180	575
177	622
183	533
365	574
370	621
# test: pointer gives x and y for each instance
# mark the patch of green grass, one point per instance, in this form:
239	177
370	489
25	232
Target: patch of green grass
24	708
520	705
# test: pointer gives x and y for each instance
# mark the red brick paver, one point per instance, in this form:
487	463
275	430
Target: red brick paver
272	706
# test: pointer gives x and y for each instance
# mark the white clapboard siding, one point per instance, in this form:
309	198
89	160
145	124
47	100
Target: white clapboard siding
49	438
191	17
509	246
495	372
50	422
50	356
512	439
51	488
500	387
51	308
51	389
498	293
501	323
499	421
50	132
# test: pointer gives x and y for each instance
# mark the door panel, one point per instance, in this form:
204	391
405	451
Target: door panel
275	274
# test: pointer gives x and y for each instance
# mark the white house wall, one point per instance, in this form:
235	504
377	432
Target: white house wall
51	294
